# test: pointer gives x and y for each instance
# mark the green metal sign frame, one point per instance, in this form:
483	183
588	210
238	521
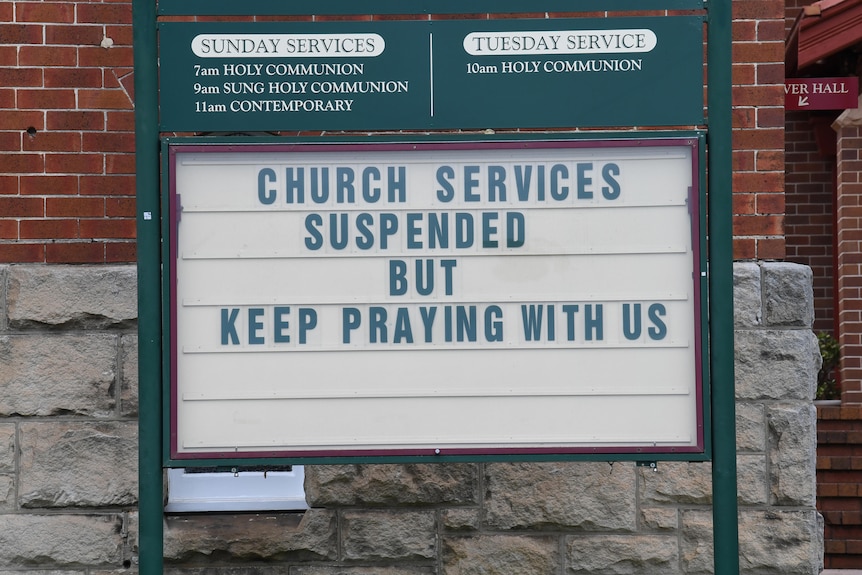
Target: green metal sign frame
293	7
419	75
149	215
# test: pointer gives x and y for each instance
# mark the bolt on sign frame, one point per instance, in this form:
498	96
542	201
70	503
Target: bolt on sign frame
719	441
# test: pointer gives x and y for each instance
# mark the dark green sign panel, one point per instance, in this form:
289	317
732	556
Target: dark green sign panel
419	75
257	7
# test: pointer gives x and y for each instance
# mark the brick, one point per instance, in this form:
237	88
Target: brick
47	56
21	207
49	185
76	253
45	12
53	142
103	100
75	120
770	160
8	229
21	163
116	252
9	184
10	142
120	164
48	229
108	185
120	121
119	228
109	142
20	77
46	99
97	13
766	139
121	35
770	73
73	35
74	163
770	203
758	96
771	248
21	253
21	120
75	207
759	181
744	248
120	207
21	33
73	78
97	56
770	30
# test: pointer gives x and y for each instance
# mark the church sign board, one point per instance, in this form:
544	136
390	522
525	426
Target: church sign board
431	74
505	297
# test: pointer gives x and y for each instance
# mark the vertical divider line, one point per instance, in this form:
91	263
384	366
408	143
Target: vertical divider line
431	68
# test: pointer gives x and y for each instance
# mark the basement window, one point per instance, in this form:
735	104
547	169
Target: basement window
260	488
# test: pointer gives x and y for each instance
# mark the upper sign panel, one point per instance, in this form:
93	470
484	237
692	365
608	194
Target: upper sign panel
418	75
257	7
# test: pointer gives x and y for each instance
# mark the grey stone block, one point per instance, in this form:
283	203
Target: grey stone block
60	540
385	534
696	542
375	485
7	493
676	482
44	375
776	364
622	555
251	537
777	542
789	295
750	427
387	570
4	274
747	299
793	453
129	366
7	447
78	464
589	496
72	296
461	519
752	485
771	542
660	518
501	555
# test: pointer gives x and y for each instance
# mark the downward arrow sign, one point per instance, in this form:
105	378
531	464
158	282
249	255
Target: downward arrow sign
803	101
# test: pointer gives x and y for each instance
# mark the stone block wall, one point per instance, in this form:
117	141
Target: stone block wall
68	457
68	428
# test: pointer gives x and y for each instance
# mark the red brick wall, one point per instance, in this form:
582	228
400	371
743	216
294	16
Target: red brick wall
758	136
66	132
809	221
849	270
839	484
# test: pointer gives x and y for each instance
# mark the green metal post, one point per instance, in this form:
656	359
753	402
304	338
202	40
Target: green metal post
724	503
149	287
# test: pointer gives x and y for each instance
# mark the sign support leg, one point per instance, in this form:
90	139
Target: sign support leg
150	532
724	500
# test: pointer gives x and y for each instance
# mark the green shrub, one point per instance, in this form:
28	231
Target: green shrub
827	386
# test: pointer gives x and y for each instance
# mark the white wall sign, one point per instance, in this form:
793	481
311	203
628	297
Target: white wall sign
436	298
